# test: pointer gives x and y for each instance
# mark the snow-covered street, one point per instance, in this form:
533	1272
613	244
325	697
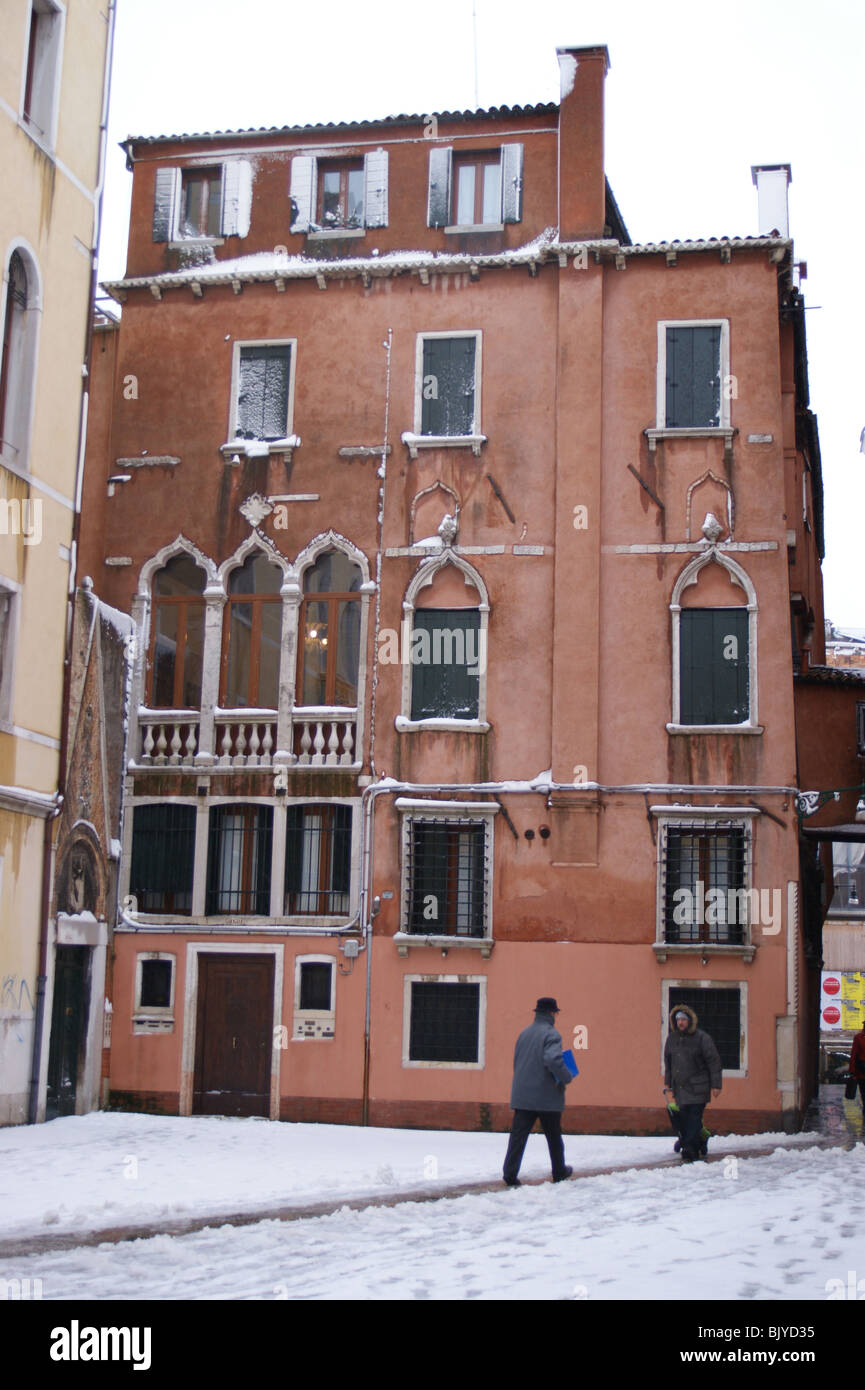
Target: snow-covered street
782	1226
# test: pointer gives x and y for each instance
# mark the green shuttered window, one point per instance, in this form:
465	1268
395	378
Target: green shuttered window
693	386
448	386
714	666
445	655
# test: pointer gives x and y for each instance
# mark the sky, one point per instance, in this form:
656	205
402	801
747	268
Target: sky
694	97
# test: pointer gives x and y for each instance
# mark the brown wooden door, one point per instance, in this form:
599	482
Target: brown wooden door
233	1036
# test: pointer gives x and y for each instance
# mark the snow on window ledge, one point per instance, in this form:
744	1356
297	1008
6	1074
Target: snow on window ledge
235	449
456	726
715	728
461	229
443	441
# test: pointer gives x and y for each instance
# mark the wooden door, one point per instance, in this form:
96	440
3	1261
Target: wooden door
233	1036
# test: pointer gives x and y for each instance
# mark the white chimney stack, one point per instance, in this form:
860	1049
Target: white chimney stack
771	182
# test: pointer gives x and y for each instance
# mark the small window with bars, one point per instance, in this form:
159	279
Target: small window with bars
317	860
444	1022
163	858
238	860
719	1013
705	873
155	992
448	877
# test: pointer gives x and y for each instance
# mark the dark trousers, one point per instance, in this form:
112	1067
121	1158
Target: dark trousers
690	1124
551	1124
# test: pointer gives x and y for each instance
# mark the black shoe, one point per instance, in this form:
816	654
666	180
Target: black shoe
565	1173
511	1182
689	1158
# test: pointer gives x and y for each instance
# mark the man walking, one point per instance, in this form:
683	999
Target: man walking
538	1092
692	1068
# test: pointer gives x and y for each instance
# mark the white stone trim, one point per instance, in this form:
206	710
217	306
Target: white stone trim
686	816
688	576
236	349
481	812
417	440
481	981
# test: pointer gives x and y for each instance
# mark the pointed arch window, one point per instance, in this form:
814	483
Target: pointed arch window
329	646
252	636
13	365
714	655
177	637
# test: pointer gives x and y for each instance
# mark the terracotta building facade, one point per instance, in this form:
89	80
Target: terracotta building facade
470	549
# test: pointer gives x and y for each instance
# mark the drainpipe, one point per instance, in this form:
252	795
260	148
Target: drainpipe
48	847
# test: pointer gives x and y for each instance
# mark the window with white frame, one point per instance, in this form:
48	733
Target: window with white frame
720	1011
9	607
240	845
447	869
154	984
263	391
314	997
443	1021
475	189
715	683
18	356
42	70
338	194
447	387
694	374
202	203
704	880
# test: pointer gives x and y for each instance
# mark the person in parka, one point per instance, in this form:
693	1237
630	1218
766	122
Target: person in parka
538	1092
692	1070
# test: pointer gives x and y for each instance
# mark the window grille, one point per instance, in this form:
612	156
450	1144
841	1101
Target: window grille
238	863
701	857
445	1020
317	860
448	877
718	1014
163	857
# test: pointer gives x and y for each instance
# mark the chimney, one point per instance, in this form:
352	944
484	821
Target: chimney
582	185
771	182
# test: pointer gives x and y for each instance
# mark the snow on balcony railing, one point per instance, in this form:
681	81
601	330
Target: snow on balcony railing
169	738
325	736
245	737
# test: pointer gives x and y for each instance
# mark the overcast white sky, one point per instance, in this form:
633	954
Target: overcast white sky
696	94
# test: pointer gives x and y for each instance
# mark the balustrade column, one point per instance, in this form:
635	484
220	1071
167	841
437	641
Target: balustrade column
214	605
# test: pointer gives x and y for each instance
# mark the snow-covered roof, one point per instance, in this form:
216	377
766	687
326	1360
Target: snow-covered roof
490	113
272	266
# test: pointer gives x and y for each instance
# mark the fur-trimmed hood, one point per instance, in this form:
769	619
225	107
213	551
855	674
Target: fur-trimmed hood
683	1009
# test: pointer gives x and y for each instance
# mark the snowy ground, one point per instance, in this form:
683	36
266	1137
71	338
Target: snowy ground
777	1227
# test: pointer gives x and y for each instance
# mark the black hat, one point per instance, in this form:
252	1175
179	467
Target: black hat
546	1005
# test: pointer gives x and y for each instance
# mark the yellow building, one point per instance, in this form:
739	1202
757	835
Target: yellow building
54	61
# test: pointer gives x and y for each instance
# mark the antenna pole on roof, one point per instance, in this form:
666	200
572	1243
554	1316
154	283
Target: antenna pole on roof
475	36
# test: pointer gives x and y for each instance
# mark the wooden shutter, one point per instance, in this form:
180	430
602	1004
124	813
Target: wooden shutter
693	377
164	202
262	399
303	178
236	197
448	386
444	687
439	201
375	188
714	666
512	183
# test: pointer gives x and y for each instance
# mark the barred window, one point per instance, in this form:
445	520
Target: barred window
704	869
163	857
155	990
317	860
719	1013
445	1022
238	860
448	878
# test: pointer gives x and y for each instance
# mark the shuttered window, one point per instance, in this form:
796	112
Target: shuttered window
198	204
476	188
714	666
446	663
719	1013
317	860
693	377
163	855
327	194
704	876
445	1022
448	386
263	388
